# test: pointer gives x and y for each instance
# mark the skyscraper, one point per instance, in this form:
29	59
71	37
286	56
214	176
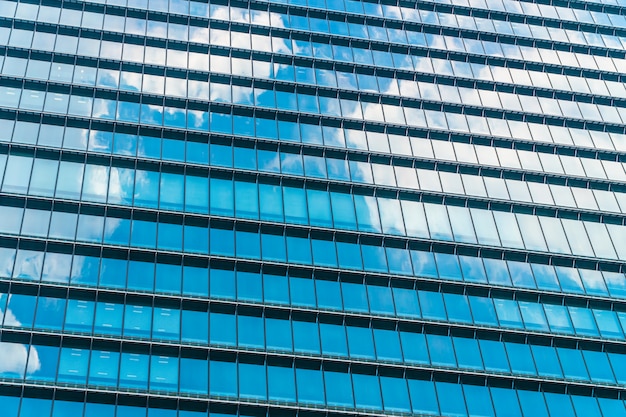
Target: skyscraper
312	208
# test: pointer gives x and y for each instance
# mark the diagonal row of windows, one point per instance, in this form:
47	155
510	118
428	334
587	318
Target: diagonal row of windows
528	279
301	45
132	108
301	383
253	92
320	23
306	334
194	85
505	402
116	273
220	195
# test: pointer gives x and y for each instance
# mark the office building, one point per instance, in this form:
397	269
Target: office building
312	208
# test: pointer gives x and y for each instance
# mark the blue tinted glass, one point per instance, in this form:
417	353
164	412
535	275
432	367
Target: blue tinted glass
310	382
329	294
34	407
222	283
467	353
249	286
252	379
441	351
432	305
278	334
547	361
305	337
360	342
281	383
573	364
457	308
424	264
423	397
222	329
478	401
387	345
451	399
250	332
275	289
414	347
354	297
302	291
338	389
520	358
494	356
559	404
598	366
223	378
333	338
505	402
448	266
380	300
367	391
195	281
473	270
194	326
586	406
532	403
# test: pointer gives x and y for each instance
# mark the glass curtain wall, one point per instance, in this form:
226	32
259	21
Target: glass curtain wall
312	208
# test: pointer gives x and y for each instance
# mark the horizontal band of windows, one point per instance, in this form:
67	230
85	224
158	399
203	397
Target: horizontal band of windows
171	355
201	295
506	399
337	13
515	59
130	400
596	6
404	70
435	371
298	223
290	203
387	111
113	275
50	316
463	274
18	65
472	31
431	190
404	12
309	133
609	21
195	114
221	197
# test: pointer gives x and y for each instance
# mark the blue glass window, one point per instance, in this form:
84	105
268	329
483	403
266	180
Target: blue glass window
338	389
252	381
310	382
451	399
423	397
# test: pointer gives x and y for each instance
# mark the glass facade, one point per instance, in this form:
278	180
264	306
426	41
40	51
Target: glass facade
312	208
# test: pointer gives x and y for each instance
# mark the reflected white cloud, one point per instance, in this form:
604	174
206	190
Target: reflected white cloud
14	357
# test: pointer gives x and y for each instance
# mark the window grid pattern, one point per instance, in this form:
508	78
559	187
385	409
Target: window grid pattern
312	207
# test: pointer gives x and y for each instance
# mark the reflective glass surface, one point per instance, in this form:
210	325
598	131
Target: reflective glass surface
313	207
